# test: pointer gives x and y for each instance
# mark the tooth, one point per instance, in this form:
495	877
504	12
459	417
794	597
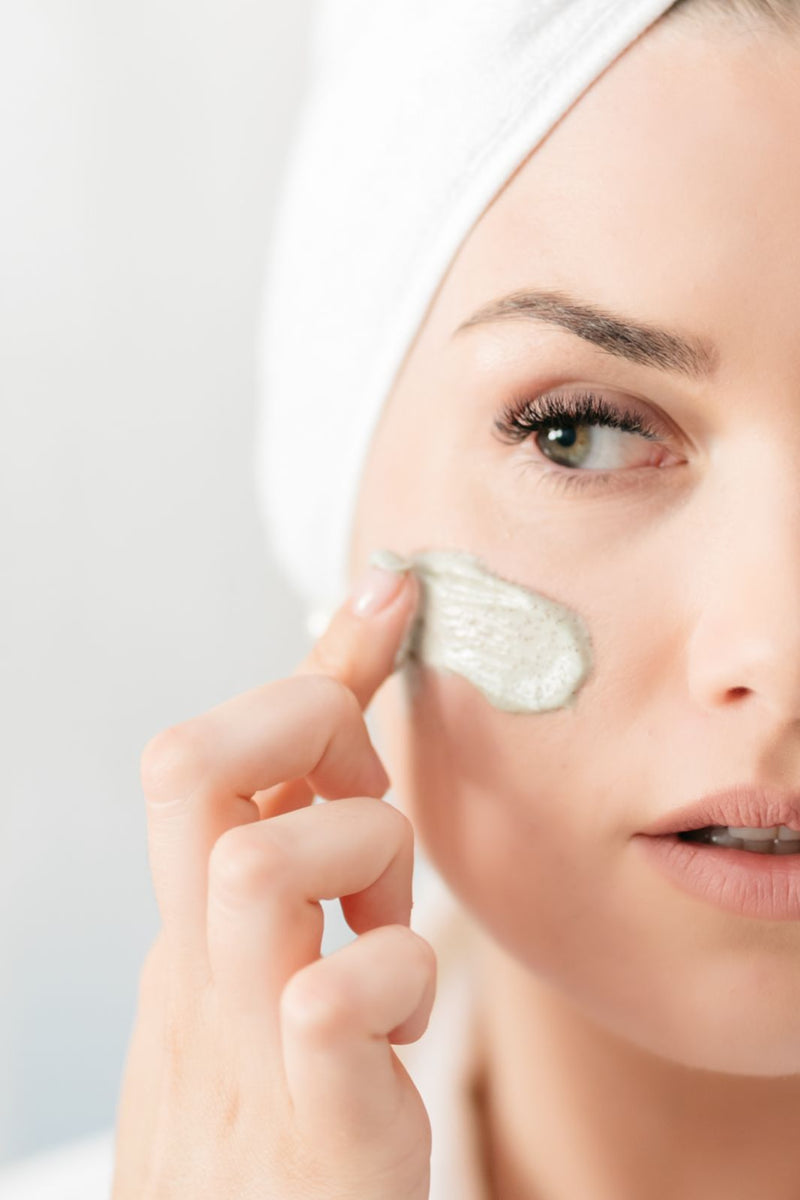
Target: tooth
788	833
754	835
721	837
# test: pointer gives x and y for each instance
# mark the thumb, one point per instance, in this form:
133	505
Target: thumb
360	645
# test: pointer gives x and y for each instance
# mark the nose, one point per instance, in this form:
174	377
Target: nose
745	644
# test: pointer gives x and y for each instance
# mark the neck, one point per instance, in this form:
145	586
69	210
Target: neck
570	1111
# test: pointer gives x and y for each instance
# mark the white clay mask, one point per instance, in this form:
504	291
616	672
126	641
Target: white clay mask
524	652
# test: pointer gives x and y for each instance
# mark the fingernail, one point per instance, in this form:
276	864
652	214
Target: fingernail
389	561
379	585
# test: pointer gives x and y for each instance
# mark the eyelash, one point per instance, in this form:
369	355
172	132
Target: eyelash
525	416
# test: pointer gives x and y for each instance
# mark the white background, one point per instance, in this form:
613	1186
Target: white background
141	141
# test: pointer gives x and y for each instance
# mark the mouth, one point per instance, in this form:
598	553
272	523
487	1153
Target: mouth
738	850
764	885
751	813
779	839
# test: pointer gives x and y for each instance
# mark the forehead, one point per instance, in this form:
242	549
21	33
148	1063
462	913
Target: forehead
672	183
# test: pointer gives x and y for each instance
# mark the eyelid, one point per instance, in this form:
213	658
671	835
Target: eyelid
526	415
581	405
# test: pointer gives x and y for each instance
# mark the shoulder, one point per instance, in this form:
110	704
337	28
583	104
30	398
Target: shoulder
79	1170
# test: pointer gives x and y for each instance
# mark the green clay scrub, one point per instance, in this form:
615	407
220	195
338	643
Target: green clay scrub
524	652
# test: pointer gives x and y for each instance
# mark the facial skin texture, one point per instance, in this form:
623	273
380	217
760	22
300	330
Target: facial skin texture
634	1036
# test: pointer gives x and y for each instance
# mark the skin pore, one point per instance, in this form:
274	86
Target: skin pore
636	1041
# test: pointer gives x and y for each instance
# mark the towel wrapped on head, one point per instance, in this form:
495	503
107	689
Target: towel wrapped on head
416	116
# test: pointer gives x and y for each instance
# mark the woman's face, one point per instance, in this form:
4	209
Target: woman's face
668	196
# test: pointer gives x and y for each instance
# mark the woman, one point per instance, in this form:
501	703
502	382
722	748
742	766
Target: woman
598	411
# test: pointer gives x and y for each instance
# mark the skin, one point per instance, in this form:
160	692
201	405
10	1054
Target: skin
637	1042
256	1067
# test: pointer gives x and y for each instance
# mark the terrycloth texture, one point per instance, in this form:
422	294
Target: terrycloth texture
442	1064
416	116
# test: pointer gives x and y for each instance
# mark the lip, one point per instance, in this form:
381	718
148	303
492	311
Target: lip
764	886
753	805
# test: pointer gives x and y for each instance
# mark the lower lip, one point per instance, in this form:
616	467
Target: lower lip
766	886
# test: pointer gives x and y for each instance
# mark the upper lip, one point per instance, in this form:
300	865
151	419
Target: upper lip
753	805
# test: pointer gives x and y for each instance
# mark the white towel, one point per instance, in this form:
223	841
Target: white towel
416	116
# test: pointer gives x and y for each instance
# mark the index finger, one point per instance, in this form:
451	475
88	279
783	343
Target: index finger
202	777
361	645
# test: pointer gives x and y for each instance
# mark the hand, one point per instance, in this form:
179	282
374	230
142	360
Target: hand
258	1070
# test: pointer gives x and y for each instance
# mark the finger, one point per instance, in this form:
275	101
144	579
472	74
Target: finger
198	779
338	1018
359	647
266	880
361	643
283	798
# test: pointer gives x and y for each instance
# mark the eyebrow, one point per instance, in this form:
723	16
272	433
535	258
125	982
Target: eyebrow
644	344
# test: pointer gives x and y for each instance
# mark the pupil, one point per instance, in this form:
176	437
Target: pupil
565	437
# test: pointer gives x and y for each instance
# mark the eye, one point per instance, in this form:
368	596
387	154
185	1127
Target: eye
582	431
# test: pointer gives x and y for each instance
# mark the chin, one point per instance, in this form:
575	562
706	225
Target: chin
745	1030
743	1052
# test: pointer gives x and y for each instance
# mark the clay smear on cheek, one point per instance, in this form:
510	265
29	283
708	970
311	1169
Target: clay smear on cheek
524	652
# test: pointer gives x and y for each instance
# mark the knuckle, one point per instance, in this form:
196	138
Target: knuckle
423	953
242	866
170	760
403	826
401	830
315	1007
416	956
414	949
329	658
335	697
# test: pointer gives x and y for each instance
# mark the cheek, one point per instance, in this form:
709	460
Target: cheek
506	807
525	831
